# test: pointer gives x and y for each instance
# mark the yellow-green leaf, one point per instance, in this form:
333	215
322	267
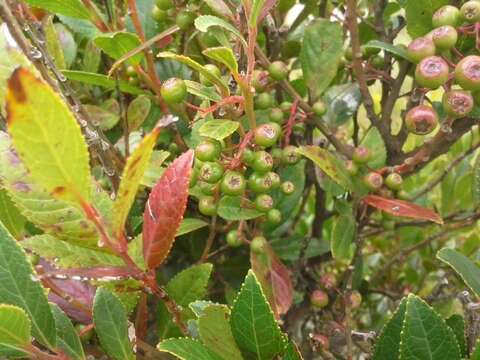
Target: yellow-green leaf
218	129
223	55
118	44
10	215
15	329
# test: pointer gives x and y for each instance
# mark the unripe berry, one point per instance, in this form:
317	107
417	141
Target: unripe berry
288	187
378	62
329	281
274	216
259	80
211	172
266	135
420	48
174	91
208	150
207	206
185	19
262	162
276	115
471	11
278	70
319	108
431	72
233	183
257	244
467	72
354	299
403	195
446	15
319	299
445	37
394	181
264	101
233	240
263	202
421	120
286	106
457	103
290	155
361	155
158	14
373	181
164	4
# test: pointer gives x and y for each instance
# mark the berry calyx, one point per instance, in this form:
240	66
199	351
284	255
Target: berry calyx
259	183
207	206
361	155
394	181
287	187
445	37
457	103
446	15
259	80
233	183
257	244
233	240
373	181
290	155
278	70
319	108
421	48
319	299
174	91
431	72
211	172
467	72
266	135
263	202
262	162
470	11
421	120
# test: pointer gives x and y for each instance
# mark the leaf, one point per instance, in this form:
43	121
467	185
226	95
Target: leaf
190	224
425	335
219	7
53	44
39	121
395	50
253	323
111	325
132	175
66	255
402	208
138	111
105	118
215	332
202	91
14	331
204	22
343	235
256	8
149	25
187	349
476	352
118	44
466	268
475	189
68	339
342	101
223	55
321	52
292	352
10	216
102	81
387	346
231	208
20	287
218	129
155	170
72	8
165	209
419	15
457	324
190	284
374	142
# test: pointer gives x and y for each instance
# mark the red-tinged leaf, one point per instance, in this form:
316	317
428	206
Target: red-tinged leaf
99	272
267	6
275	279
164	210
402	208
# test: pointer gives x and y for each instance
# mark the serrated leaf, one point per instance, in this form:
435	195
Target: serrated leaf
132	175
202	91
343	235
204	22
39	121
224	56
374	142
164	210
20	287
253	323
102	81
425	335
118	44
387	346
321	52
457	324
190	224
419	15
218	129
190	284
187	349
215	332
10	216
466	268
395	50
292	352
15	329
111	326
232	208
72	8
68	339
138	111
67	255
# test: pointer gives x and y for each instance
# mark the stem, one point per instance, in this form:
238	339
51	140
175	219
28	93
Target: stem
95	16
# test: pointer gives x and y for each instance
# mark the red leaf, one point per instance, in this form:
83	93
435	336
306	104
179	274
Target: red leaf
402	208
164	210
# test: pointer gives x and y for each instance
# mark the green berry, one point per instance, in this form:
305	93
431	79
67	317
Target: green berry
259	80
214	70
446	15
164	4
185	19
266	135
208	150
319	299
207	206
361	155
287	187
33	258
131	71
233	240
276	115
273	179
290	155
420	48
211	172
278	70
263	202
378	62
259	183
445	37
373	181
257	244
286	107
262	162
274	216
264	101
467	72
134	80
421	120
174	91
457	103
233	183
403	195
470	11
206	188
431	72
247	156
319	108
159	15
394	181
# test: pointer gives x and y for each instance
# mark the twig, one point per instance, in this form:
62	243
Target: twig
211	237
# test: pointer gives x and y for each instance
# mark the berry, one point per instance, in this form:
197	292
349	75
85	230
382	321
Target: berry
470	11
208	150
273	179
274	216
174	91
420	48
276	116
445	37
319	299
259	183
457	103
133	80
262	162
373	181
164	4
467	72
257	244
211	172
431	72
278	70
319	108
206	188
378	62
394	181
131	71
233	240
290	155
233	183
286	106
214	70
446	15
403	195
159	15
421	120
288	187
263	101
361	155
354	299
266	135
259	80
185	19
207	206
247	156
329	281
263	202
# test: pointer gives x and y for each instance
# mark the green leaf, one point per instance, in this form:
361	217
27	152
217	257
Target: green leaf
253	323
10	216
374	142
190	224
135	250
425	335
387	346
187	349
223	55
118	44
102	81
202	91
292	352
39	121
53	44
342	102
149	25
67	255
204	22
68	339
419	15
396	50
457	324
190	284
257	6
321	53
155	170
72	8
138	111
14	331
231	208
219	7
111	326
476	352
343	234
466	268
476	182
218	129
20	287
216	334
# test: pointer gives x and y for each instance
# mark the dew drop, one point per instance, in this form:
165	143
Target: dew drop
396	208
35	53
34	278
100	243
62	78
